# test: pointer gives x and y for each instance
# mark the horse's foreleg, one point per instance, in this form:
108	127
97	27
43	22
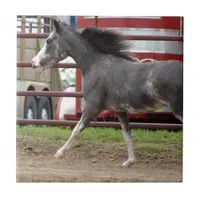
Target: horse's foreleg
75	133
87	115
123	119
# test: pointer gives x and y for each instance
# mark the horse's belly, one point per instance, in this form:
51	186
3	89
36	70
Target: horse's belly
129	109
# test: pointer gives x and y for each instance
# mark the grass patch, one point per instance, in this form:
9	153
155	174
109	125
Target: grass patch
103	134
151	147
55	133
143	135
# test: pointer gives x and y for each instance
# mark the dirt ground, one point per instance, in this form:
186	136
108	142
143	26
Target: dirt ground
89	162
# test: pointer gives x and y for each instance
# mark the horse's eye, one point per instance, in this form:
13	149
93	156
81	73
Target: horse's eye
48	41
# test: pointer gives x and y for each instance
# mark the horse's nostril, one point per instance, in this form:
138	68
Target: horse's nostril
35	64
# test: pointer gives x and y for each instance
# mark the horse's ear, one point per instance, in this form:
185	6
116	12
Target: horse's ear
57	26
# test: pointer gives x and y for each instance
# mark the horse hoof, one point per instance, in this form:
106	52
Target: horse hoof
59	154
128	163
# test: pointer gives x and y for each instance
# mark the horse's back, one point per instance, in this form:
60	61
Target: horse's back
135	74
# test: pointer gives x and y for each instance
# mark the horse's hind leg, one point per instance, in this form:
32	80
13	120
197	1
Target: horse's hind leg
87	115
123	119
177	109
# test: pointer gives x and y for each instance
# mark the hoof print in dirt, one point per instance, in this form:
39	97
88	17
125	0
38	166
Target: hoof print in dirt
94	160
28	149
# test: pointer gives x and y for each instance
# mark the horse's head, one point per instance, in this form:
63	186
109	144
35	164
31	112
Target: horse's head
54	50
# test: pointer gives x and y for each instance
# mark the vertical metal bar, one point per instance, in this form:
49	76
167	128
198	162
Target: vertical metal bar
39	26
96	21
45	27
30	27
39	30
47	23
78	89
22	47
51	22
182	25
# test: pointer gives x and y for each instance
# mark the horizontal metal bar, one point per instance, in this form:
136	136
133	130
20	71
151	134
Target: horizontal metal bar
36	16
60	65
49	93
32	35
100	124
123	37
152	37
31	22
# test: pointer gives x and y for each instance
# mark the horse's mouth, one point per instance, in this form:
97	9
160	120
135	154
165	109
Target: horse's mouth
41	68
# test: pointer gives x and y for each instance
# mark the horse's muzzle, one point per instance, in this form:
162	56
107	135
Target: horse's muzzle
35	64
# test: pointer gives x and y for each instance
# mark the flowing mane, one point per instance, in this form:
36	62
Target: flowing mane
107	41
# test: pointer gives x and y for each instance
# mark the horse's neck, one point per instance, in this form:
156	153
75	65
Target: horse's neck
81	50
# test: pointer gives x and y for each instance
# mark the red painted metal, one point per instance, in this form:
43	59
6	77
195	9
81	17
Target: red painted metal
153	37
160	23
49	94
182	25
103	115
101	124
96	21
56	115
157	56
71	117
58	107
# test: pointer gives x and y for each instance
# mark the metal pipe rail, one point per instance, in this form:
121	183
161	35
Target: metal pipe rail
152	37
100	124
123	37
60	65
31	22
49	93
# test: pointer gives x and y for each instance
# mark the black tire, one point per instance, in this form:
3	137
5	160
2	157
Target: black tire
30	108
44	106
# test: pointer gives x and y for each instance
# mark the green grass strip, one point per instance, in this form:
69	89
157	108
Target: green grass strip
103	134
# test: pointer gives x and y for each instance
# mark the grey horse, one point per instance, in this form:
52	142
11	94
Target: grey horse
112	80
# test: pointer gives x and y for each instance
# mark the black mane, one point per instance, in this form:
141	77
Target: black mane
106	41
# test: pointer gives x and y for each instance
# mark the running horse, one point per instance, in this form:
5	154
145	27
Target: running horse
112	80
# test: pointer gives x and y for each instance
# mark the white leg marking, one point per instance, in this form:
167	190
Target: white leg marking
75	133
131	156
